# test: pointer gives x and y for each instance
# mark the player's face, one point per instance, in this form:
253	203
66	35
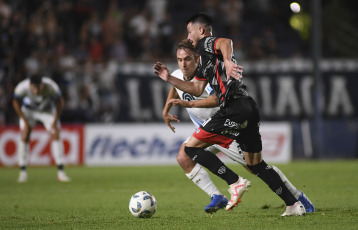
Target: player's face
188	62
193	33
36	89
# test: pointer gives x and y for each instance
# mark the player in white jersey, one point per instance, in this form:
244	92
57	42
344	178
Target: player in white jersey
39	99
199	114
200	109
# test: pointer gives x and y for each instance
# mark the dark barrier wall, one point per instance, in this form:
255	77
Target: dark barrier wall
340	139
284	90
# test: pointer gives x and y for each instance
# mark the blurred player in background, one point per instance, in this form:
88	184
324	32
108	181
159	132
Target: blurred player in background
237	115
39	99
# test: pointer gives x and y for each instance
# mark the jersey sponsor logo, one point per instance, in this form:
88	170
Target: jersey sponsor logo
233	127
231	132
232	124
188	97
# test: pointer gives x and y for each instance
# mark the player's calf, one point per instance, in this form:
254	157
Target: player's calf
212	162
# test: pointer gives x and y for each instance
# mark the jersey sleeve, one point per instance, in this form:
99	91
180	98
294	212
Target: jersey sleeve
55	91
207	45
178	74
55	87
199	73
20	89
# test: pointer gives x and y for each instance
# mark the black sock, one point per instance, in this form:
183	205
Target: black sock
60	167
274	181
213	163
23	168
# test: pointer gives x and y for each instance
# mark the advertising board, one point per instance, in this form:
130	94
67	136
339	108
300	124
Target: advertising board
156	144
40	146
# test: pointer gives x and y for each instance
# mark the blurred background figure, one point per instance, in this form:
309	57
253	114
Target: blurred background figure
39	99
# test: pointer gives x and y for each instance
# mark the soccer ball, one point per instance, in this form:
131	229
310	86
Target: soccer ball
142	204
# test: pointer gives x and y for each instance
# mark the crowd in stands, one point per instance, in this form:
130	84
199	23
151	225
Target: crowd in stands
81	43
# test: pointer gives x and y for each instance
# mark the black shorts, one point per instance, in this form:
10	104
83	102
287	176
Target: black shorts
239	120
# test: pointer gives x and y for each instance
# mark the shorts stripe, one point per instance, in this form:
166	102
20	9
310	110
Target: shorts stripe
212	138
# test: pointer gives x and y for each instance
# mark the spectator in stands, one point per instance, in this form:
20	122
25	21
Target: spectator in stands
32	35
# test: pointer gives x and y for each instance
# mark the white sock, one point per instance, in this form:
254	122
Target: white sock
297	193
23	152
201	178
57	151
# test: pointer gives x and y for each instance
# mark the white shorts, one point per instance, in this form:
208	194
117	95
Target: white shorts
233	152
33	116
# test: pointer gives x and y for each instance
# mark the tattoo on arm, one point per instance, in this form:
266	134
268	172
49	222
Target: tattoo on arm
216	98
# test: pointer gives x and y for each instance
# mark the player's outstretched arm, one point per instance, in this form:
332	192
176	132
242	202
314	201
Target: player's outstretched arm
195	87
26	129
59	107
17	108
209	102
226	49
168	118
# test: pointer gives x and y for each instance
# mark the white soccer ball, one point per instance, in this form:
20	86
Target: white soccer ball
142	204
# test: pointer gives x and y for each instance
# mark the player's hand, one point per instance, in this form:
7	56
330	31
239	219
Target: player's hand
179	102
233	70
162	71
169	118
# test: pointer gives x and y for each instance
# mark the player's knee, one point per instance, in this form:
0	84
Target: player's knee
54	137
182	158
54	133
185	163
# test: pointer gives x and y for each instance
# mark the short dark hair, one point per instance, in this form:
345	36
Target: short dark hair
201	18
185	44
35	79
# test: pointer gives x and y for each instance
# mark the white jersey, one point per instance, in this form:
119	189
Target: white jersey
197	115
45	102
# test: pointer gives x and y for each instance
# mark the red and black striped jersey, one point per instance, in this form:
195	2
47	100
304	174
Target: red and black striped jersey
211	68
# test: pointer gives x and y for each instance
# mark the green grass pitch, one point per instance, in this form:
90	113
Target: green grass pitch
98	197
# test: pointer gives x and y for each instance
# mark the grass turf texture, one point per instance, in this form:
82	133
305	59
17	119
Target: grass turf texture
98	197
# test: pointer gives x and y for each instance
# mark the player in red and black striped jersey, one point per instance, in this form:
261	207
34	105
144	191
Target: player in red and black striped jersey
238	118
212	68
